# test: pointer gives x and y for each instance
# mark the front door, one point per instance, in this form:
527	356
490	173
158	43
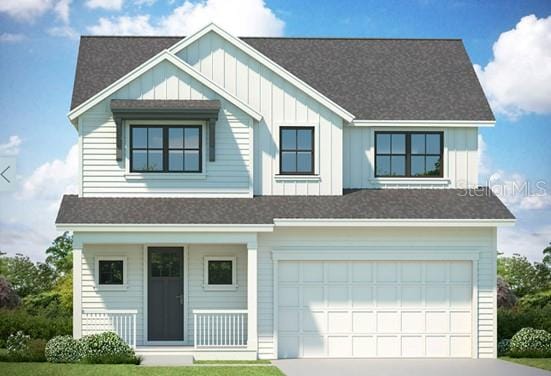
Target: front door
165	295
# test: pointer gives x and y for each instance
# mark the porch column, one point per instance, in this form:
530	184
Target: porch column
77	292
252	301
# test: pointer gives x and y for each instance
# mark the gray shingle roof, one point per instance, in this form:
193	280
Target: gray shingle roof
374	79
147	104
358	204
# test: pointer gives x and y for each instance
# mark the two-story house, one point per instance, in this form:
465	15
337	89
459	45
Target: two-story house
246	198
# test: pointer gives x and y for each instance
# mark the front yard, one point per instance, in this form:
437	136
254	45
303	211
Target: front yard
543	363
49	369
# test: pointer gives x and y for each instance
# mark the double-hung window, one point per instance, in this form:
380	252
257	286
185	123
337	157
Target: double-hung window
296	151
174	148
408	154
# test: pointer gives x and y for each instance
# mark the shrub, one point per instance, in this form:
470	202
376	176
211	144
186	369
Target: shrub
21	348
8	297
503	347
107	347
18	343
41	326
63	349
510	321
531	343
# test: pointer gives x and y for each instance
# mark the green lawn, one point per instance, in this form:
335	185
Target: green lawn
543	363
47	369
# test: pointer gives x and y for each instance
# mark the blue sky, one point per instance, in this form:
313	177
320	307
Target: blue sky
38	48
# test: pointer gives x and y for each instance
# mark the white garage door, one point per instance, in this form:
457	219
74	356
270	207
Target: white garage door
374	309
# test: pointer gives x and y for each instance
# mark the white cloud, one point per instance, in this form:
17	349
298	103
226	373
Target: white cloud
11	37
10	148
519	193
52	179
25	10
239	17
63	32
483	160
62	9
27	215
144	2
518	79
105	4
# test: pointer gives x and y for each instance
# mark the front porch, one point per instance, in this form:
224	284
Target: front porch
169	298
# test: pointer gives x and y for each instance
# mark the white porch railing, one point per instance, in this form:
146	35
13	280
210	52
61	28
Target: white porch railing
122	322
220	327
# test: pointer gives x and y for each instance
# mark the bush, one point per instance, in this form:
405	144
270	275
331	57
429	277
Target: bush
510	321
106	348
8	297
21	348
505	296
503	347
63	349
531	343
41	326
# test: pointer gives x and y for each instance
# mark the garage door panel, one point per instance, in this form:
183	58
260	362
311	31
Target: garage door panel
362	296
375	309
313	297
339	346
362	271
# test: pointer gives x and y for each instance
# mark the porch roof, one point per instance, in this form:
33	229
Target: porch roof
364	204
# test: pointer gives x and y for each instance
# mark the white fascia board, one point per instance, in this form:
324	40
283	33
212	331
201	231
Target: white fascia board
391	222
424	123
165	55
261	58
164	227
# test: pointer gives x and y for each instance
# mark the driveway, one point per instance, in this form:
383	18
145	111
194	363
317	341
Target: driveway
405	367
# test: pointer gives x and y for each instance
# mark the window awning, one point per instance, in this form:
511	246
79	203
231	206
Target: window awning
153	109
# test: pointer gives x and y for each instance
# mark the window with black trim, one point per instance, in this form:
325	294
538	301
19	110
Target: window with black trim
409	154
166	148
111	272
296	150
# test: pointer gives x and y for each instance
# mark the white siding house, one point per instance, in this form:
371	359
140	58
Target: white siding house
301	219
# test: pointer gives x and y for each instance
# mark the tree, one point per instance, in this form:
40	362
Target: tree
505	296
8	296
523	276
547	256
27	277
60	254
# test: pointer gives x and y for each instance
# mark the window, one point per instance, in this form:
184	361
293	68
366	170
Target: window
166	148
111	272
296	151
220	273
408	154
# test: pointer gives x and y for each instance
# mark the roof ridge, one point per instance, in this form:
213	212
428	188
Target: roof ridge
288	38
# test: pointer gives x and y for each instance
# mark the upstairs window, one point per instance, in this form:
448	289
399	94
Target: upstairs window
296	151
408	154
166	148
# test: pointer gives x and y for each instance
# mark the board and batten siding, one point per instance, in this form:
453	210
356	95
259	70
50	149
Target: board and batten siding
103	175
133	296
280	104
460	158
439	242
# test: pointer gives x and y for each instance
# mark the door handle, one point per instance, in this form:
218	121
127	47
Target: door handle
181	298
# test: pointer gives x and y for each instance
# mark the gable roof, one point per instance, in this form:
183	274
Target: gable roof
366	204
374	79
162	56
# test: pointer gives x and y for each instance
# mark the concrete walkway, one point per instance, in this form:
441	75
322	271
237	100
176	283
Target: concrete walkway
405	367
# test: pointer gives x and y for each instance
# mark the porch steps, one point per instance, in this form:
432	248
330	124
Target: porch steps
166	356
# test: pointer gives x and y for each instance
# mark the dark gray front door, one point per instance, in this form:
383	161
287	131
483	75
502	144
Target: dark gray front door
165	295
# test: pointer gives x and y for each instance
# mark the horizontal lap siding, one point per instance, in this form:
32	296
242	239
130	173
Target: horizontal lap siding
446	241
460	157
280	103
103	175
130	298
198	297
